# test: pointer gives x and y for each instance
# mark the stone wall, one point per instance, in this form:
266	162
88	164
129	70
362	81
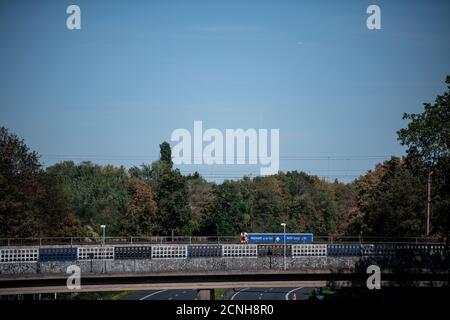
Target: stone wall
201	265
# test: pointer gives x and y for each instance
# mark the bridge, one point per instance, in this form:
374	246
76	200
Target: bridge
204	265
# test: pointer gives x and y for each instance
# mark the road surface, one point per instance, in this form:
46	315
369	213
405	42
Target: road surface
239	294
182	294
272	294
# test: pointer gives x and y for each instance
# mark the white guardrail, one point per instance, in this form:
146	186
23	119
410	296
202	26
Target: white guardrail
182	251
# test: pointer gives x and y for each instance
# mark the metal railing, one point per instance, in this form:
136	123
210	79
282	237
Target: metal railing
48	241
376	239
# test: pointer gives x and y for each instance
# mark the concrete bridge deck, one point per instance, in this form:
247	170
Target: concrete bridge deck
201	281
155	267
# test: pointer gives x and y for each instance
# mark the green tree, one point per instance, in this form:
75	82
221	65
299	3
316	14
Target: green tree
200	198
98	194
57	219
166	153
311	206
391	201
268	207
31	202
229	213
174	214
346	208
19	178
427	138
140	218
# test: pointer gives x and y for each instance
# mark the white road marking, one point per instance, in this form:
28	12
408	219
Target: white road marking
234	295
151	294
287	294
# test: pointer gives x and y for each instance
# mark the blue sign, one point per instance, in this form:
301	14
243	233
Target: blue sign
279	237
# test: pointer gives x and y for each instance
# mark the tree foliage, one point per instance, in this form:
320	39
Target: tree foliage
98	194
391	201
427	135
156	199
31	202
427	138
140	218
229	212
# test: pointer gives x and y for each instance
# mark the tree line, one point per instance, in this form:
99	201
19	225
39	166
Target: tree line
69	199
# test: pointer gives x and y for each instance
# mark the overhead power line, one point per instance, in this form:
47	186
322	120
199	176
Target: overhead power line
148	157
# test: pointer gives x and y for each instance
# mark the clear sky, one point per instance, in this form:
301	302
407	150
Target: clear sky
137	70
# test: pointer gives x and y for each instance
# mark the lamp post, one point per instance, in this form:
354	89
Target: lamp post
284	240
429	202
103	249
103	227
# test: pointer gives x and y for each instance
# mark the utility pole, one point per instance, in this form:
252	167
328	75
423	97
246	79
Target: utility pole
429	202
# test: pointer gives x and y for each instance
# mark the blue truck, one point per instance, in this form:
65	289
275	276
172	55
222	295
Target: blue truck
279	237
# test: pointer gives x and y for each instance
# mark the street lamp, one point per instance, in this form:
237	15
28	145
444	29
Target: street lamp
103	226
429	202
284	238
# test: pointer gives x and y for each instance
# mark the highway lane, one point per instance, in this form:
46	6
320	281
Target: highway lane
182	294
288	293
272	293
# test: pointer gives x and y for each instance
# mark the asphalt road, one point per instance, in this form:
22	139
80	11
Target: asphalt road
182	294
272	294
240	294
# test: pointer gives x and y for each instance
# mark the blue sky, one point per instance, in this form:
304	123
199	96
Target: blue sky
137	70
